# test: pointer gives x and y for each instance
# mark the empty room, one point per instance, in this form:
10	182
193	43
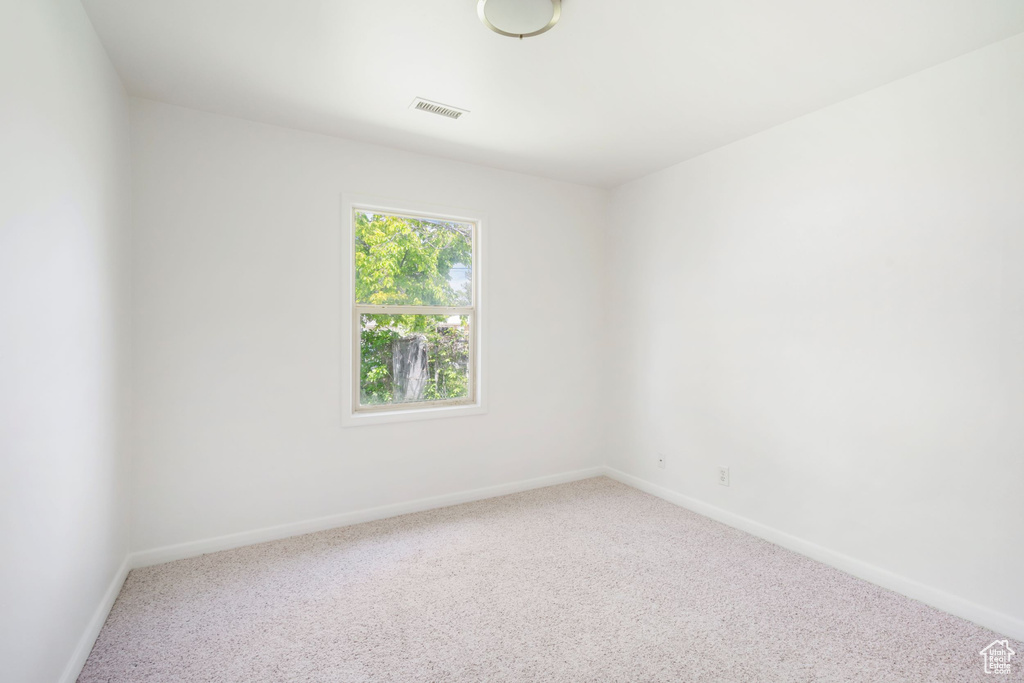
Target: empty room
439	341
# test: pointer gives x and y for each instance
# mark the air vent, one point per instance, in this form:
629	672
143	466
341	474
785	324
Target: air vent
437	108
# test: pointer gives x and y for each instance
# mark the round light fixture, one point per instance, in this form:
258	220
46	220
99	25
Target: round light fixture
519	18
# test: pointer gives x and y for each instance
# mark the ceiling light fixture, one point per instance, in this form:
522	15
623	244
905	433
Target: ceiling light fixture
519	18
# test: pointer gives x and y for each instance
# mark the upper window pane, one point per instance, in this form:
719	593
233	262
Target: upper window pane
403	261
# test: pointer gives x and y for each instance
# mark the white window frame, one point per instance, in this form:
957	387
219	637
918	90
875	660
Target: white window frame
354	415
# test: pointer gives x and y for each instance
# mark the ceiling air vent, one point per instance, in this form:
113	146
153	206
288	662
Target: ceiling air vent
437	108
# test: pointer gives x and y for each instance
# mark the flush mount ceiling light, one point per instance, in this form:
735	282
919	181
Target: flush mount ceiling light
519	18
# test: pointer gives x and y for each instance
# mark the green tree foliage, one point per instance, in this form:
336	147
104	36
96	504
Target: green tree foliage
407	262
413	262
375	343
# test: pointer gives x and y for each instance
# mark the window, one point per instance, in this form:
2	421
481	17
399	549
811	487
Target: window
414	313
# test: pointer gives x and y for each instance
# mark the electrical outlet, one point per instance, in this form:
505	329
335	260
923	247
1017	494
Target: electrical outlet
723	476
661	461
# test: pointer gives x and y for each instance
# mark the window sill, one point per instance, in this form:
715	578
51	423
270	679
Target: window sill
410	414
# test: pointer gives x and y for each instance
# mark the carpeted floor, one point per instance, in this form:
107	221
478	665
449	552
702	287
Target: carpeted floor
589	581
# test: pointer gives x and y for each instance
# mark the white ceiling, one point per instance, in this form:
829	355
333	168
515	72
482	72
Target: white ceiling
616	90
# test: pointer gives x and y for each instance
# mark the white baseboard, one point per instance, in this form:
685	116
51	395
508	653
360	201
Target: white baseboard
979	614
146	558
92	630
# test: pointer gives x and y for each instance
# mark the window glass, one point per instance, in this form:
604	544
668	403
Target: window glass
412	261
413	358
414	311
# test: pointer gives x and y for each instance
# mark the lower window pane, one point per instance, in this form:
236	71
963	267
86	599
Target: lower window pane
413	358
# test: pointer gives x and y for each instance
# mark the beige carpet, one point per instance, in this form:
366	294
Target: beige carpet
590	581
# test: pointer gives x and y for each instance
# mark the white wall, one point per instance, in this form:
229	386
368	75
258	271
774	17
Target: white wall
64	164
834	308
238	308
